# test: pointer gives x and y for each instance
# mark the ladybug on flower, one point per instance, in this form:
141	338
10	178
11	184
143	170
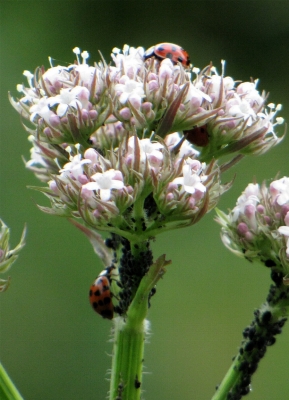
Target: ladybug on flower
168	50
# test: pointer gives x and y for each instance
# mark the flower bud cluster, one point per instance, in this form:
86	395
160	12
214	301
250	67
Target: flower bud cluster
7	256
173	189
258	226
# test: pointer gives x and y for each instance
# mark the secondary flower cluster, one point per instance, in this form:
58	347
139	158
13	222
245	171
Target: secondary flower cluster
7	256
258	227
108	137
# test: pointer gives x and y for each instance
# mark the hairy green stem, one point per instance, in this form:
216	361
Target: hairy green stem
129	339
268	322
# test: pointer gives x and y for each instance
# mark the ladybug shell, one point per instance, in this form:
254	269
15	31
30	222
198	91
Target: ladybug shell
198	136
100	297
168	50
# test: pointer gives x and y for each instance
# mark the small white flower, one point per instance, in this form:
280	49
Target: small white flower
241	108
129	88
75	167
56	75
41	109
105	182
78	96
248	200
150	151
190	181
280	190
284	230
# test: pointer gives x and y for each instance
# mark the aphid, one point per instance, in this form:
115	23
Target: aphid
100	296
168	50
137	383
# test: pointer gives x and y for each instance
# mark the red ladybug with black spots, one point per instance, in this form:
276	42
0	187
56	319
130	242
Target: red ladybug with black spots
168	50
100	296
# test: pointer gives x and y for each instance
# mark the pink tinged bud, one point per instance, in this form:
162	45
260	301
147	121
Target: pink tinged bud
93	114
146	107
198	195
221	113
260	209
118	126
54	120
286	219
83	95
64	120
242	228
118	176
267	220
165	71
249	211
153	86
172	186
82	179
152	77
154	161
125	113
195	102
135	101
192	202
278	215
84	114
129	189
86	194
249	236
53	187
169	196
96	214
92	155
285	209
47	131
129	160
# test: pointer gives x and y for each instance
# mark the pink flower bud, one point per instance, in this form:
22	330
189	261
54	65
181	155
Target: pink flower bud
125	113
242	228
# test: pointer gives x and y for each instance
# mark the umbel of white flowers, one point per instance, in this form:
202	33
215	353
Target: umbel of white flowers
108	138
258	226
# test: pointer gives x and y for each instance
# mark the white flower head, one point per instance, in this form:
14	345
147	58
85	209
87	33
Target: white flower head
76	97
129	88
190	181
75	167
279	190
105	182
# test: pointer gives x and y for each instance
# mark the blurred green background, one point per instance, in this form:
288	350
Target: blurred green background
52	344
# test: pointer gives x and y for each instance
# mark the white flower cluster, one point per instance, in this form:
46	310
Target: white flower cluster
258	226
109	135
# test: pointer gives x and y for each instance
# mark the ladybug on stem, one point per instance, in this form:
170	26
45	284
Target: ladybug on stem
168	50
198	136
100	296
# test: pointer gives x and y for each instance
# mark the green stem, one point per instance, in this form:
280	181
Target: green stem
7	389
127	360
129	339
267	323
229	381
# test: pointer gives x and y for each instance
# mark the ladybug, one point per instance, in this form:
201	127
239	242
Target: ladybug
168	50
198	136
100	296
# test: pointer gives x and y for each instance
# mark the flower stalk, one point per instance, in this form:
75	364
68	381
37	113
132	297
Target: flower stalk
268	322
129	338
8	390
